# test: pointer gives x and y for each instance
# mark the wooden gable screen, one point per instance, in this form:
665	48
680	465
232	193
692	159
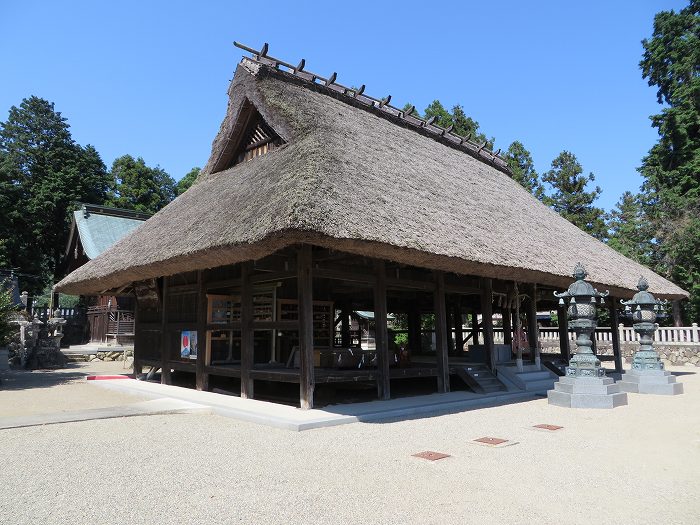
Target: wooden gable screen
251	137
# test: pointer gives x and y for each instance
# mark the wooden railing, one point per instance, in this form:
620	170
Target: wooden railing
667	335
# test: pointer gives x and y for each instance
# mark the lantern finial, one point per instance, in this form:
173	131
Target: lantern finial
643	284
580	272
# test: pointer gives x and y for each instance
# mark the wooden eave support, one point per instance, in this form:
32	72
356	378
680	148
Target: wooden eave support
201	378
563	322
532	330
247	334
306	328
443	377
487	320
381	335
164	337
615	333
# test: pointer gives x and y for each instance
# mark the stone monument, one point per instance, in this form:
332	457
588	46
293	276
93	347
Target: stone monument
647	375
585	384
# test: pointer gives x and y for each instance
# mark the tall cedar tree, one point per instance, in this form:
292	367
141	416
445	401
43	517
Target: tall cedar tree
570	198
523	169
185	182
44	174
139	187
628	231
671	63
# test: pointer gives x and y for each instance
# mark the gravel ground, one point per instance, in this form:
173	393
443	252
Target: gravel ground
633	465
25	393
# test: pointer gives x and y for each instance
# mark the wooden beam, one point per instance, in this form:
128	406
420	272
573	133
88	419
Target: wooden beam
487	320
202	378
247	334
381	336
306	327
443	377
563	322
533	334
615	331
165	377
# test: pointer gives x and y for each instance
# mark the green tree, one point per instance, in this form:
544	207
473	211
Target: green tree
671	63
139	187
443	118
523	169
628	231
569	196
43	175
466	126
185	182
408	106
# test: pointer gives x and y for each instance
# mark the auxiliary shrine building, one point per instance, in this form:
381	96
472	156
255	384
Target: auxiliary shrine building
319	201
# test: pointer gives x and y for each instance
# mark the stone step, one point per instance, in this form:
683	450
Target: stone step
539	386
534	376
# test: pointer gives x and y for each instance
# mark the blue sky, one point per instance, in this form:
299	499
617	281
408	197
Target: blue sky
150	78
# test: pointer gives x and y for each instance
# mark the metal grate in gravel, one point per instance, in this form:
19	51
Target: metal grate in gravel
491	441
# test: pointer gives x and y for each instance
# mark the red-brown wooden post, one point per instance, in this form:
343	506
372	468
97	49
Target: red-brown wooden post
443	369
381	335
487	320
247	334
306	327
202	378
165	377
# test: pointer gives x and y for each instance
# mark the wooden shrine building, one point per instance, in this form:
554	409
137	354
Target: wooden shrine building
94	229
319	200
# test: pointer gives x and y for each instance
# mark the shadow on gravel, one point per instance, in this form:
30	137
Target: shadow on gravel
24	379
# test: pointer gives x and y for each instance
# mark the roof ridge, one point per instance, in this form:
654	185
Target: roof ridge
358	98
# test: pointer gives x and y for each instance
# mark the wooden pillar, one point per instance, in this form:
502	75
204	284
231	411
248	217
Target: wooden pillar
676	311
459	337
138	367
615	334
202	378
345	325
443	368
414	331
247	334
507	328
563	321
165	377
486	285
381	336
475	328
306	328
532	330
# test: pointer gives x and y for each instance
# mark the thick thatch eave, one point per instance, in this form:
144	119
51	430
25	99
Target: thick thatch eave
350	179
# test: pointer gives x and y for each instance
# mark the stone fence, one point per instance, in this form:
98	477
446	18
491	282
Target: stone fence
664	336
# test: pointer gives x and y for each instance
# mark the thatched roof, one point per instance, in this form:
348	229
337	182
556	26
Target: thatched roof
357	179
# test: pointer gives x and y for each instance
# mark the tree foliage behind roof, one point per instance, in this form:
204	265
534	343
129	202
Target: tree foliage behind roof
44	173
138	186
671	190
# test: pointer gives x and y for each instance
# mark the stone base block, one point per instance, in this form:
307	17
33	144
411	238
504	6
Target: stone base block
658	382
586	392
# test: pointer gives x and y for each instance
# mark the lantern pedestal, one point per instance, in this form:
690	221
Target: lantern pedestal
586	392
650	381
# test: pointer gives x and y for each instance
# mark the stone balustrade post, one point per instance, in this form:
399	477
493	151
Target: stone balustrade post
696	333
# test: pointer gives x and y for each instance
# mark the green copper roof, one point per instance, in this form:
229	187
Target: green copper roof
100	227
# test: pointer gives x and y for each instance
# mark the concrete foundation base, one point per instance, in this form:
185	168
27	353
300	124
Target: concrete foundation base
658	382
586	392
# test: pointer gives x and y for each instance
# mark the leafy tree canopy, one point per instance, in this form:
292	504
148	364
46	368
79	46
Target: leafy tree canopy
185	182
523	169
139	187
628	232
671	190
44	174
569	197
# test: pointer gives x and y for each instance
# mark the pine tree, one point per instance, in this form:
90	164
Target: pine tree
628	231
569	196
523	169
